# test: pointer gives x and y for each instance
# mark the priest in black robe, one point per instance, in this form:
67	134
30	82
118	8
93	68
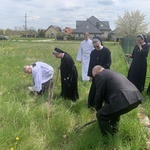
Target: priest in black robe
101	55
138	68
69	75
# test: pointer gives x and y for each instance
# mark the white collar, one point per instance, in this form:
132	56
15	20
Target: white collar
63	55
101	48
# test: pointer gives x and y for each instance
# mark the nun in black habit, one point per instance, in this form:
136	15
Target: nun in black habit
101	55
69	75
138	68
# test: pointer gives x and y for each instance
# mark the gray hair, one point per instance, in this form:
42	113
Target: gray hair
96	41
98	67
25	68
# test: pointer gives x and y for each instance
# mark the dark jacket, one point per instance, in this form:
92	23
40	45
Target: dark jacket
115	89
99	57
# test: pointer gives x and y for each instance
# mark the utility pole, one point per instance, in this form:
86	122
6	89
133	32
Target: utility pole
26	25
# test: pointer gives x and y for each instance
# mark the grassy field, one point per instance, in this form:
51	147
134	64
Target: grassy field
28	123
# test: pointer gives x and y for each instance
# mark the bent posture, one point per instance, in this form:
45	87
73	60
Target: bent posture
42	75
69	75
117	93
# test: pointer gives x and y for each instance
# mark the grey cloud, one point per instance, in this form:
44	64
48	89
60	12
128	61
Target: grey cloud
22	0
72	8
106	2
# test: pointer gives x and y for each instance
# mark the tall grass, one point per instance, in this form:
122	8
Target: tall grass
38	126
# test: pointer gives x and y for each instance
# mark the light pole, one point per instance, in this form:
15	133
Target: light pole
26	25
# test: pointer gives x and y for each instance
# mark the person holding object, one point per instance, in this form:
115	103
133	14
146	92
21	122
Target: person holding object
69	75
42	74
138	68
83	55
117	93
101	55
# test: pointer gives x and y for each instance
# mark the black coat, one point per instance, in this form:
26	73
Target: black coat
115	89
99	57
138	68
69	78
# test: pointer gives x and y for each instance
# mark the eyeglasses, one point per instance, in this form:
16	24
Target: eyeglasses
96	46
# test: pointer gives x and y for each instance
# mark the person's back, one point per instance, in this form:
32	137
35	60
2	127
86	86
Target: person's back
45	71
42	74
116	81
119	91
115	96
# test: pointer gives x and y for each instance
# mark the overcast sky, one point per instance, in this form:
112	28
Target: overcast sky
43	13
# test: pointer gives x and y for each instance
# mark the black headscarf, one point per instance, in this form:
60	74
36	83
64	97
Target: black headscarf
57	50
96	37
142	36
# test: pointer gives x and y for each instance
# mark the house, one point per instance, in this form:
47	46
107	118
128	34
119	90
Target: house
68	30
53	31
94	26
113	36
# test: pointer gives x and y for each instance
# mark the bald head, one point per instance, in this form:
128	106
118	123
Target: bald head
97	69
27	69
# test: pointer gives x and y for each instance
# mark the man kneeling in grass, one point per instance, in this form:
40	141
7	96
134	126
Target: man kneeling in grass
42	74
119	95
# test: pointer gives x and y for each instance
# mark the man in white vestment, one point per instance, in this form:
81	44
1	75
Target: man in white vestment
83	55
42	74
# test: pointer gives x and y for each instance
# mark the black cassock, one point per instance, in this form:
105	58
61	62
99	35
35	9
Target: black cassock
69	78
98	57
138	68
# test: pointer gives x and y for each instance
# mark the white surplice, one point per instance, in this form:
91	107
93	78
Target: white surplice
83	55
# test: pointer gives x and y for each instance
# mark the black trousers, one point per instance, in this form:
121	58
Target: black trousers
45	87
108	123
91	95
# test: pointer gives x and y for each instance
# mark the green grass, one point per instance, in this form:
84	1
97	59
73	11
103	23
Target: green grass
41	127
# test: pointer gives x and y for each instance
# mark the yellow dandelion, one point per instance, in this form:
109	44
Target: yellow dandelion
17	138
23	76
12	148
64	136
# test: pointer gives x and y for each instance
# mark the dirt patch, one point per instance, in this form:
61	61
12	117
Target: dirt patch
144	120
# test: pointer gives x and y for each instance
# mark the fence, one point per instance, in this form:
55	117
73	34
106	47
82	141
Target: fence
128	45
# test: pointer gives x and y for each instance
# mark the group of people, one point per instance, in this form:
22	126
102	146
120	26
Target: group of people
111	93
42	74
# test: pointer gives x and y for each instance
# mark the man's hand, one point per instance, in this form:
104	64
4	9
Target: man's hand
35	94
140	46
128	55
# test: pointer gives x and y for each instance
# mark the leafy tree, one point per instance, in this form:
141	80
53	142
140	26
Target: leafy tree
131	24
41	33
